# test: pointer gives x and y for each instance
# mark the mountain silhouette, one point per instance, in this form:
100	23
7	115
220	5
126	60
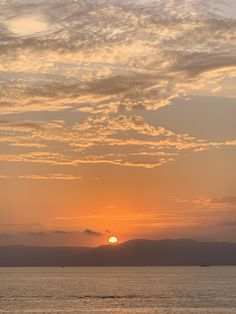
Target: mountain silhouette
181	252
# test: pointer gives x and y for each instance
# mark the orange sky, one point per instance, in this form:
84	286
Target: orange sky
117	119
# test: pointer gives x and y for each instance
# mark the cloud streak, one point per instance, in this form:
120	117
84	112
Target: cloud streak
224	202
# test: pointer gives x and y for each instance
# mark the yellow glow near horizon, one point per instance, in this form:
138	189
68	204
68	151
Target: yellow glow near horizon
113	240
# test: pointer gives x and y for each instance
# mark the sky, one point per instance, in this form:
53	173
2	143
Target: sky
117	117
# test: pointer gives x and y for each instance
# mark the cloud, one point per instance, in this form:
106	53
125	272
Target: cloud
62	232
230	223
55	176
89	52
91	233
103	61
49	237
5	236
224	202
118	140
5	177
38	234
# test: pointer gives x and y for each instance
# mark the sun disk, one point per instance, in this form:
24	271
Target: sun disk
113	240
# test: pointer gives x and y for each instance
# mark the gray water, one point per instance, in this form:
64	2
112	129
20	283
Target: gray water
131	290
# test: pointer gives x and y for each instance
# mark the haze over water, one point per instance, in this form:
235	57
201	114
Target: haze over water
135	290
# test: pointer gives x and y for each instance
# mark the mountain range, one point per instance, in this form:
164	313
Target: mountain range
179	252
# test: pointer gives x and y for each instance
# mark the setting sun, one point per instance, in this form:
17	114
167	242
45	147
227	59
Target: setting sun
117	156
113	240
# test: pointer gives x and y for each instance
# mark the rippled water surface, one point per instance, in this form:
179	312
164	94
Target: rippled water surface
133	290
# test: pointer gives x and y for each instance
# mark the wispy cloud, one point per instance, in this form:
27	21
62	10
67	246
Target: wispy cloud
55	176
224	202
125	141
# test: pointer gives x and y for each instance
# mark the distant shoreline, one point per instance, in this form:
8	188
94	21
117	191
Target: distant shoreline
112	266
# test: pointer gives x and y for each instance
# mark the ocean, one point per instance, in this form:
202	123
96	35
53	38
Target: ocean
118	290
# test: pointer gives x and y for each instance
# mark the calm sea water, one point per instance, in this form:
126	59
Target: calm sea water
131	290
